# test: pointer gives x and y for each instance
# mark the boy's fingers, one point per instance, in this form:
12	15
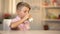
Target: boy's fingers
29	15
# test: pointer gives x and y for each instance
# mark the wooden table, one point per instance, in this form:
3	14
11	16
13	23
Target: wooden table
31	32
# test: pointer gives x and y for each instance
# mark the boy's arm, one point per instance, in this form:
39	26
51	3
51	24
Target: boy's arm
15	24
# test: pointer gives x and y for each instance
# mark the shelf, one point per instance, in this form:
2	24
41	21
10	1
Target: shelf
51	19
51	7
56	21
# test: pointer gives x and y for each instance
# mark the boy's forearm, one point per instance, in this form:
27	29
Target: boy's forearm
14	25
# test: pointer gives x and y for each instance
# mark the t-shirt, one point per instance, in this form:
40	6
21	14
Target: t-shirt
24	26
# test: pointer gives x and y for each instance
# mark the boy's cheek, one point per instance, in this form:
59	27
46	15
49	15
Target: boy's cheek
23	15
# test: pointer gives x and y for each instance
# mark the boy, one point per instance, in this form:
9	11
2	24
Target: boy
21	22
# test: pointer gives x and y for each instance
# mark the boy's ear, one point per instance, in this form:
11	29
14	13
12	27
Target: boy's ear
17	11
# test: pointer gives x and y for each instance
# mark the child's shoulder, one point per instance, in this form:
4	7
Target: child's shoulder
15	19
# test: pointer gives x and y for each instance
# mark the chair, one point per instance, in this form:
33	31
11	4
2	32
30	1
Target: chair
6	24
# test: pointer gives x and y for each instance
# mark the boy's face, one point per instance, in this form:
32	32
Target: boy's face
23	11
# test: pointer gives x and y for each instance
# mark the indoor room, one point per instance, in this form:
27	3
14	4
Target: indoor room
43	16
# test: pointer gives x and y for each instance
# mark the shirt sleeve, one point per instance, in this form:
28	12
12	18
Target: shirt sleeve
15	19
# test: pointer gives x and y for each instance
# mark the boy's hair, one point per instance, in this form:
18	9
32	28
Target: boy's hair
22	4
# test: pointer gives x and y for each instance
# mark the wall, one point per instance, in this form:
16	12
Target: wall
1	12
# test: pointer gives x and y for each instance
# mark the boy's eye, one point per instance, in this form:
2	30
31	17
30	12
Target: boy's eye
25	11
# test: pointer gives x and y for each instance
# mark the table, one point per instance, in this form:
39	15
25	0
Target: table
31	32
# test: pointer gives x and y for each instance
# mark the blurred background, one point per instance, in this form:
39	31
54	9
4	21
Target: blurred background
46	13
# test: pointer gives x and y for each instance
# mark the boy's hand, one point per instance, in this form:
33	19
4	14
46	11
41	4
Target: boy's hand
27	16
